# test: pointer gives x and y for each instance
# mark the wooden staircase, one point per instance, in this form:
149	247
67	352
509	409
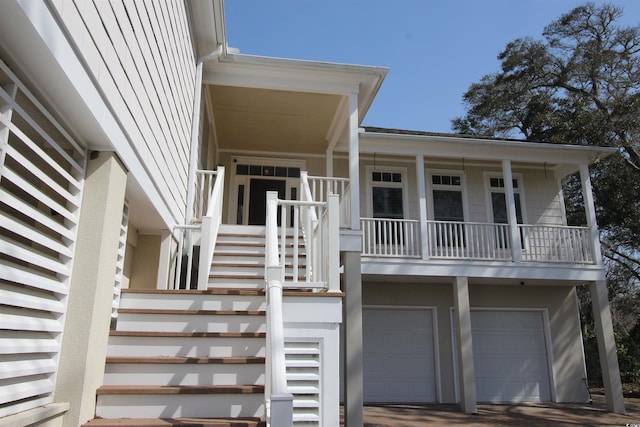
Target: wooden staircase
189	357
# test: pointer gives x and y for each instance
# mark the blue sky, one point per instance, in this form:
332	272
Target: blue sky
434	49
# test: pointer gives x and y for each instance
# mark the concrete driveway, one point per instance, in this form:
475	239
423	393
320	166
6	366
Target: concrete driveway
545	414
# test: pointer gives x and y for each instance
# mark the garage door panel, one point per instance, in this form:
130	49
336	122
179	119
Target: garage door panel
398	355
510	356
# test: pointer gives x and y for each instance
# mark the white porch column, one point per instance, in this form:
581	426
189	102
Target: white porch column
607	347
590	211
329	167
353	361
354	161
86	328
516	248
422	205
466	370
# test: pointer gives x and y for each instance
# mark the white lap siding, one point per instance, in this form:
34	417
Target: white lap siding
141	56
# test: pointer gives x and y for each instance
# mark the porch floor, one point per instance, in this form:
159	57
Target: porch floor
502	415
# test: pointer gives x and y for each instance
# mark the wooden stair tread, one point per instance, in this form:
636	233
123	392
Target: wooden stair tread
176	422
186	311
162	334
179	389
233	360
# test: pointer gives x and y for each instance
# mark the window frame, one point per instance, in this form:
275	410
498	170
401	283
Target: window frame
371	183
518	177
430	187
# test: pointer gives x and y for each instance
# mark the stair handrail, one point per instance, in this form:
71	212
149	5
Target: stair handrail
280	401
210	226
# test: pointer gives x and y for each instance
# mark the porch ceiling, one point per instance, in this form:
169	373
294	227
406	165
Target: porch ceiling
253	119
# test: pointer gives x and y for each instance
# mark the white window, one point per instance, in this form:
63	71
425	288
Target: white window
447	197
386	189
498	199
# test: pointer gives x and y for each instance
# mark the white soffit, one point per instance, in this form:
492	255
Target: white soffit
296	75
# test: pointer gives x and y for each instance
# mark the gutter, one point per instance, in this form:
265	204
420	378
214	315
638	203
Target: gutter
195	127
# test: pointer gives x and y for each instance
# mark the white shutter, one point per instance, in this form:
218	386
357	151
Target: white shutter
41	177
303	381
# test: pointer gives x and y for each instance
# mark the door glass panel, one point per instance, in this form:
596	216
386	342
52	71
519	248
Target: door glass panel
387	202
447	205
499	204
258	198
240	209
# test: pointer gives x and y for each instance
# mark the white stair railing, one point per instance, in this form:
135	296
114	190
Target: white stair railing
318	188
319	251
210	226
202	233
279	400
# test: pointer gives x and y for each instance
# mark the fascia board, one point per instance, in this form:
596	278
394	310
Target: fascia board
60	75
267	78
480	149
207	19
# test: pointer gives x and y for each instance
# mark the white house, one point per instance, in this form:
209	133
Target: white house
190	232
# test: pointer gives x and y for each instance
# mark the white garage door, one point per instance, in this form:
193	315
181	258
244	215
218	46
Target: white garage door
398	355
510	356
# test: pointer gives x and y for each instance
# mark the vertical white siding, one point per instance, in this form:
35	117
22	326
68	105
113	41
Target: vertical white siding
141	55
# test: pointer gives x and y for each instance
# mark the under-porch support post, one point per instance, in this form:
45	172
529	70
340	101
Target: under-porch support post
86	328
516	247
354	161
353	361
607	347
466	369
422	205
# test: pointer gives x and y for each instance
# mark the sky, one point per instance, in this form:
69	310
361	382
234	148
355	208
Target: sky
434	49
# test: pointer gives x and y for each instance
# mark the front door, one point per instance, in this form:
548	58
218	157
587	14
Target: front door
258	198
252	177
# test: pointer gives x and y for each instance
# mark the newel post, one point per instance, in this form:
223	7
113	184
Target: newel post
333	246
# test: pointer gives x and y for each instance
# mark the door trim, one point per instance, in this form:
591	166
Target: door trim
235	180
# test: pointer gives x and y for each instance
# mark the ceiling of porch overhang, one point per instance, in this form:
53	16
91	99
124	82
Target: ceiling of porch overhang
251	119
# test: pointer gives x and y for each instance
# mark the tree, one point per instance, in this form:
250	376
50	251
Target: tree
579	84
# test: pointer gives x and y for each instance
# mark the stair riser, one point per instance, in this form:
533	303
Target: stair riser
199	323
228	281
185	347
171	406
187	374
223	249
191	302
256	270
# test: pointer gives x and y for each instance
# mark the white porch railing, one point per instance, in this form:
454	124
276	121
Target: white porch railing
202	235
452	240
391	237
468	240
319	188
553	243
